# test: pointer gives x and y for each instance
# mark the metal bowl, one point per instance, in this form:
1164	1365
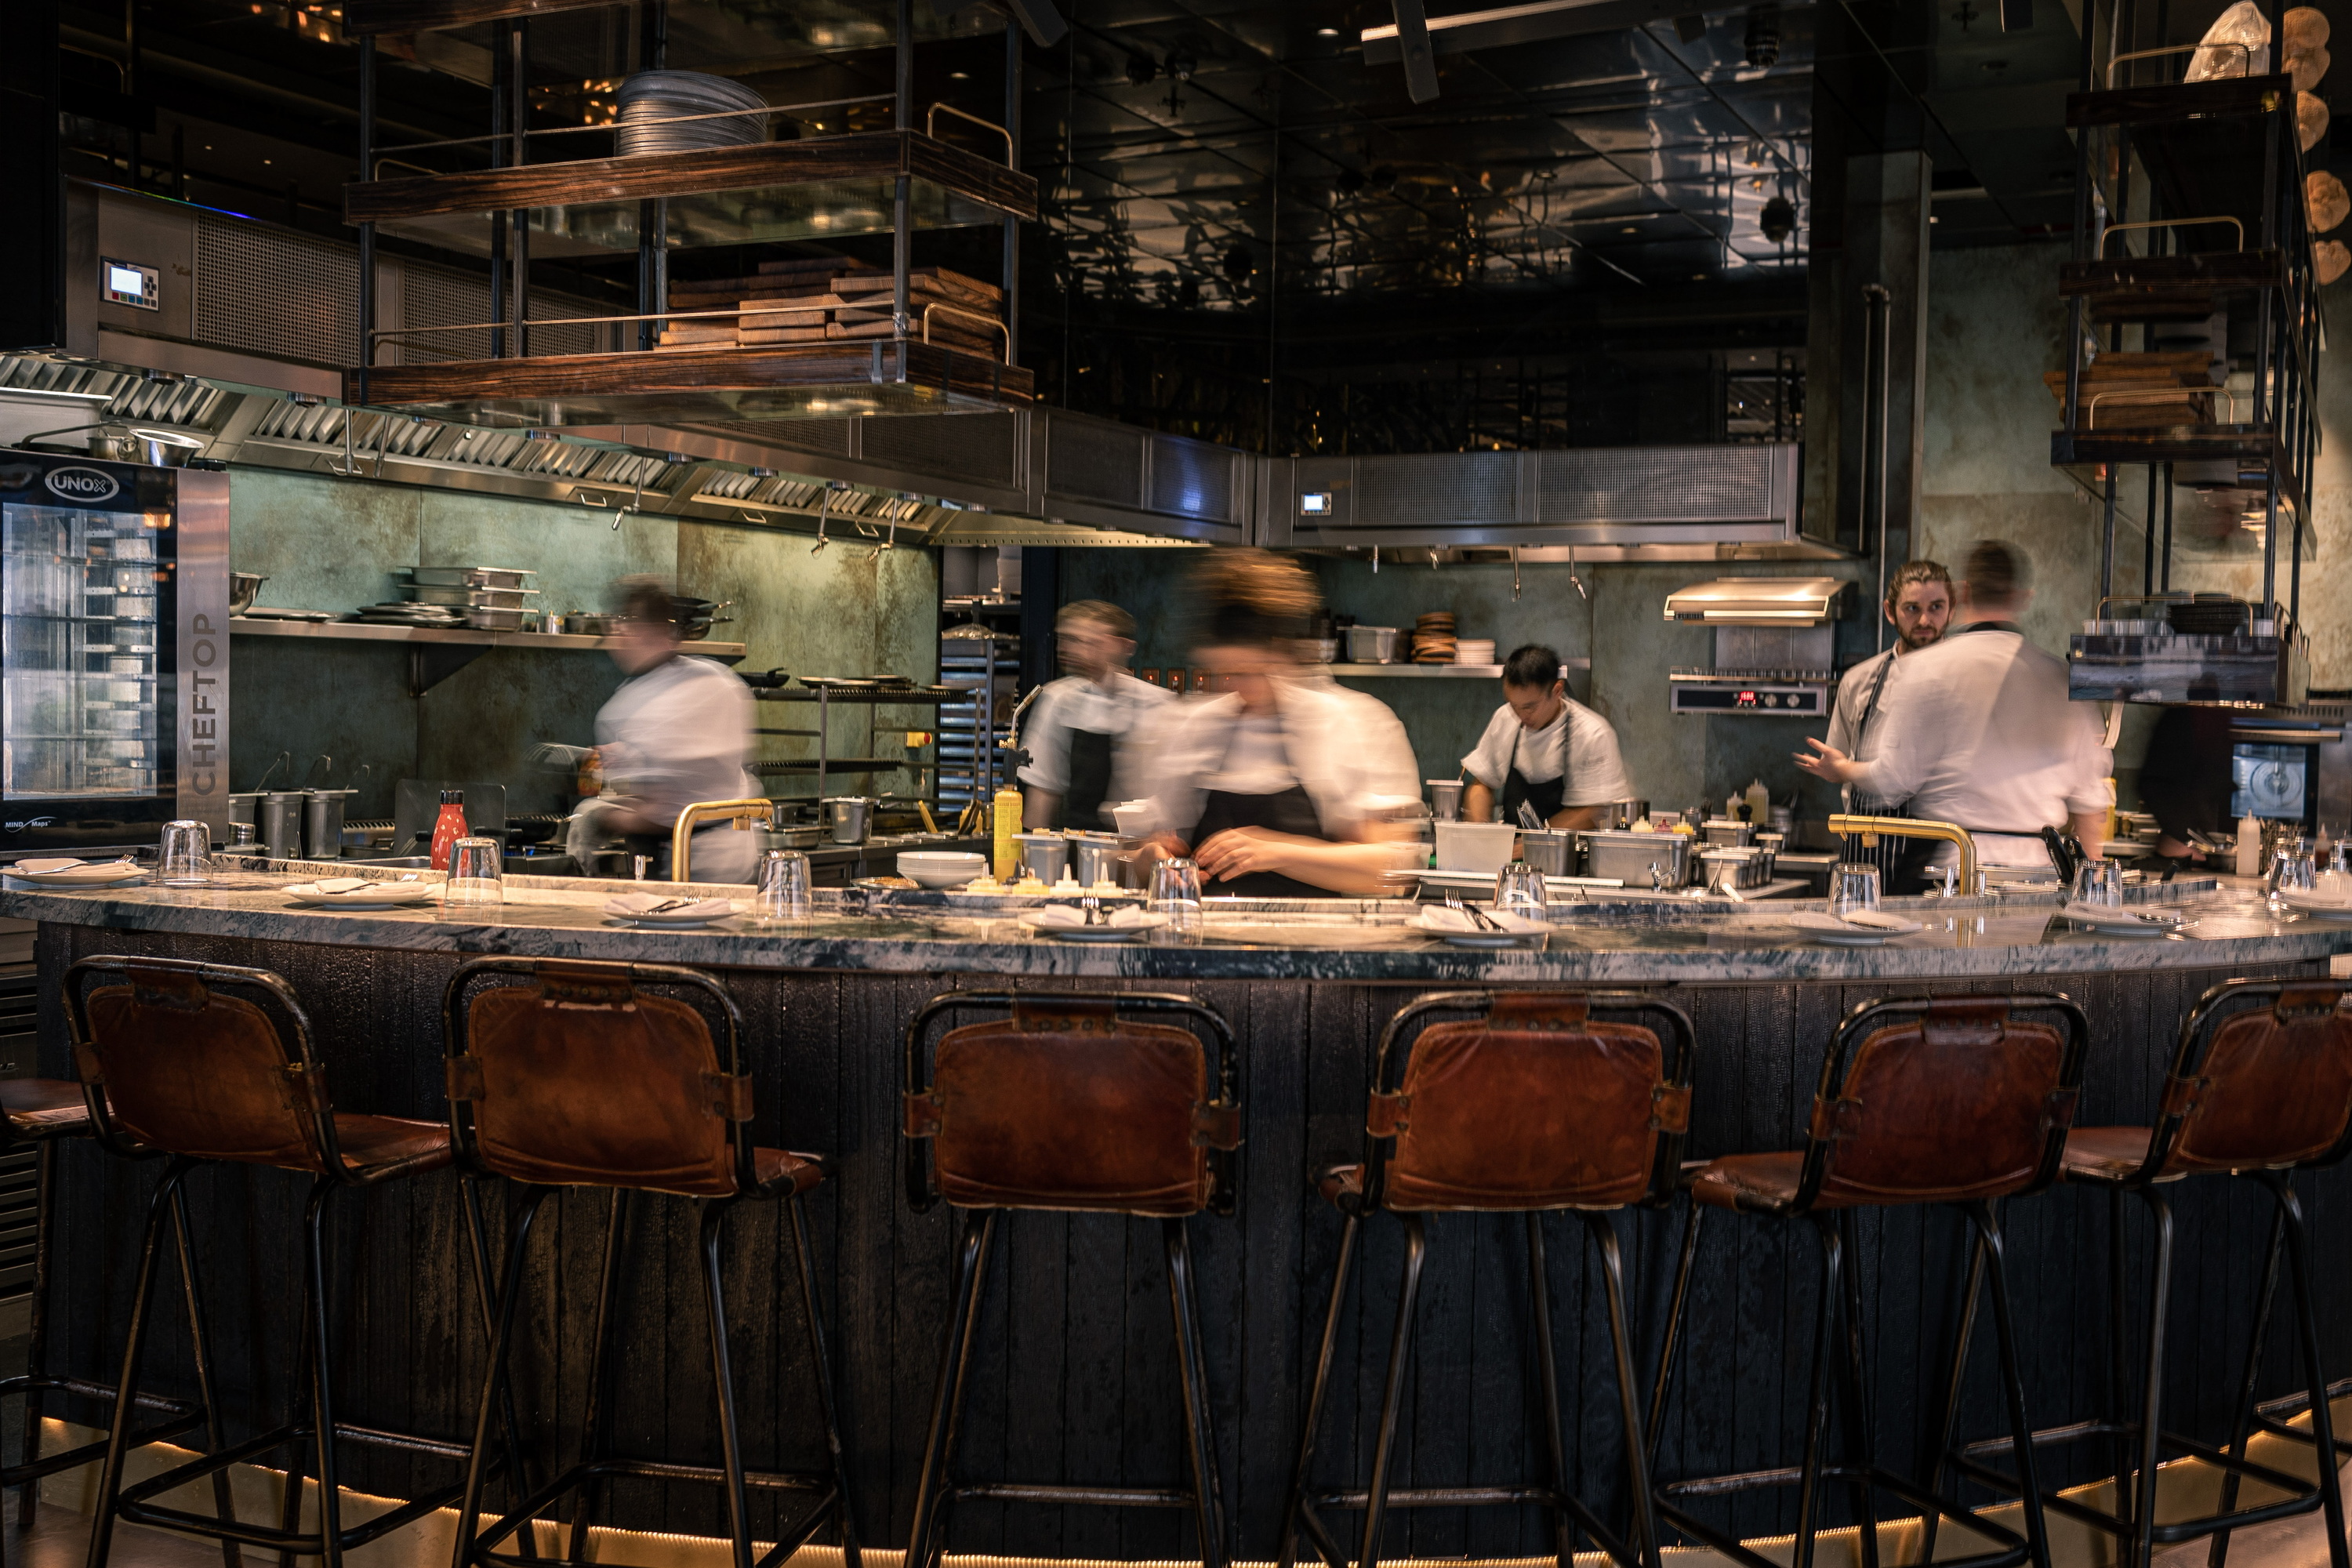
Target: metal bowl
244	587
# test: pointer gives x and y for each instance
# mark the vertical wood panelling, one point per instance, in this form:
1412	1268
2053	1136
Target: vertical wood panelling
1076	1374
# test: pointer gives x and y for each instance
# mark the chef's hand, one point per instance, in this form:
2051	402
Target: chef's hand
1238	851
1164	845
1826	762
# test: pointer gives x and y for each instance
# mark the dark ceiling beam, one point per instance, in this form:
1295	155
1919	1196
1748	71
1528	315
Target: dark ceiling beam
1509	25
1411	32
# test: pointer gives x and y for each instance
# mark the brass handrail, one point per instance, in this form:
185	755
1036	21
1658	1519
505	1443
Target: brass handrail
742	813
1873	828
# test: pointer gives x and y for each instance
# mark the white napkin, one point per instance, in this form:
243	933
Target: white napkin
629	906
43	867
1852	921
333	885
2125	916
1130	917
1445	918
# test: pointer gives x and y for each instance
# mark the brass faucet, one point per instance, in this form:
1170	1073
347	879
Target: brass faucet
1873	828
742	813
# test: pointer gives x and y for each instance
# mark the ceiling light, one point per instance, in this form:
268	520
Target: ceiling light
1629	228
1327	32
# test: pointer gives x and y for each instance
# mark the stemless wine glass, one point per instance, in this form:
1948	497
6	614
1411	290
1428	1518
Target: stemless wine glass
2099	885
2294	868
1176	893
783	888
1519	890
184	857
1854	886
475	869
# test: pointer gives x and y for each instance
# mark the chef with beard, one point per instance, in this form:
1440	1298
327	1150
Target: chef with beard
1918	606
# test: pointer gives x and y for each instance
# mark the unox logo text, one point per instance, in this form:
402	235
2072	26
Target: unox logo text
83	484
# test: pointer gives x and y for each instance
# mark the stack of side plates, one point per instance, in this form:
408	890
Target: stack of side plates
651	96
410	614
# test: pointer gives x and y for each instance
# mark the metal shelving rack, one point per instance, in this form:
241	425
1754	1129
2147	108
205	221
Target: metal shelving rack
975	732
824	763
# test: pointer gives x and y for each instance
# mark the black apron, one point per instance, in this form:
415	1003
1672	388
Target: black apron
1895	859
1089	777
1290	811
1548	797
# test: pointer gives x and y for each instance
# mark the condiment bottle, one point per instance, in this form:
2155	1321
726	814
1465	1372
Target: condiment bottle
448	827
1760	804
2250	846
1007	817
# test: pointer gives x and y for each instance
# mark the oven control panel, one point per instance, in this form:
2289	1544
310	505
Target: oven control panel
1784	693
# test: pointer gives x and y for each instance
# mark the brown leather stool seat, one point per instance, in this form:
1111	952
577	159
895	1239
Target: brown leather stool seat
1962	1101
209	1063
2259	1086
1525	1104
629	1077
1073	1103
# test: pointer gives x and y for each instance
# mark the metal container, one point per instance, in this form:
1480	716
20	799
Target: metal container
244	587
1735	868
1097	858
1371	644
1445	799
498	620
1723	831
1548	849
1629	812
470	576
322	821
1630	857
241	805
1046	856
852	816
1326	649
278	818
472	599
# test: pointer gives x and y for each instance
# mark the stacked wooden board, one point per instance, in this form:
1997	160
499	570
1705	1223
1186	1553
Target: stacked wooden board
2143	391
830	298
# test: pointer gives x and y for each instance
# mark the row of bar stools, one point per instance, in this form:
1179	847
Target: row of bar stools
212	1064
631	1078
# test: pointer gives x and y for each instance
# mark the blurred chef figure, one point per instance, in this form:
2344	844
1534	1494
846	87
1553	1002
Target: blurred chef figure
1085	734
1919	607
1278	785
678	730
1976	730
1544	747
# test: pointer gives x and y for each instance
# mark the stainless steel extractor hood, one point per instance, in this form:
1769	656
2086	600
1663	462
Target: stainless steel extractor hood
1760	601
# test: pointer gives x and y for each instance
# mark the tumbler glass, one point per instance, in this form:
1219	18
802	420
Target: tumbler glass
1176	893
1519	890
2294	868
1854	886
184	857
783	887
474	867
2099	885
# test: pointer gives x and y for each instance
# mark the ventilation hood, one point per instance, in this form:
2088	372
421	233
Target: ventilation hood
1760	601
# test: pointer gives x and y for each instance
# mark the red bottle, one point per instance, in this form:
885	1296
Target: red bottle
448	827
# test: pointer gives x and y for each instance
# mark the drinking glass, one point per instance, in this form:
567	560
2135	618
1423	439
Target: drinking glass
1519	890
474	867
1176	893
185	855
783	887
1853	885
2099	884
2294	868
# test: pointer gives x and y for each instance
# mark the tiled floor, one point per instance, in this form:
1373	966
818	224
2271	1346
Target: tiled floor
59	1538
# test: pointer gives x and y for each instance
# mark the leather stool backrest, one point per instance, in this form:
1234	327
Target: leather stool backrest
580	1076
2260	1086
1959	1099
1536	1105
1067	1103
173	1062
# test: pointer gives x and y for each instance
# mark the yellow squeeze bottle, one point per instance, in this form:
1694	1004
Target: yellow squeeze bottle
1008	826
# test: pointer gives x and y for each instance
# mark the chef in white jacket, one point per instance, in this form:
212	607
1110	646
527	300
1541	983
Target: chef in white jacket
1977	728
1279	786
678	730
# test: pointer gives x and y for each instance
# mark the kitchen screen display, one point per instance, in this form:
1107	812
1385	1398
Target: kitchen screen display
78	667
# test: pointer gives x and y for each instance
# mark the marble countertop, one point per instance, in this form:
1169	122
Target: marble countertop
1600	943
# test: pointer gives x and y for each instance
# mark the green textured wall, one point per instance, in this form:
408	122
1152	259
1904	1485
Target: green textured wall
331	544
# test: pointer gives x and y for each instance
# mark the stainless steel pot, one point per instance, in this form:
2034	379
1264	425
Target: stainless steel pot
1446	799
852	816
163	448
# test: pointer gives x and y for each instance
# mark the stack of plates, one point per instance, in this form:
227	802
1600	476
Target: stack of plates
1475	651
674	96
1433	637
409	615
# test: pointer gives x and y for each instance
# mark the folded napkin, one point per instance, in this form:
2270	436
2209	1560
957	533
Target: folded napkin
43	867
1128	917
331	886
629	906
1445	918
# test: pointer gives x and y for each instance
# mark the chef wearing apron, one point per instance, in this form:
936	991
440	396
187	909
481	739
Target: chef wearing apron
1918	606
1544	748
1087	730
1279	786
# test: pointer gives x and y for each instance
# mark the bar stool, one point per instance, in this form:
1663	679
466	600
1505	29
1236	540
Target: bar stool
610	1074
1073	1103
1529	1105
2261	1085
212	1064
44	1112
1954	1099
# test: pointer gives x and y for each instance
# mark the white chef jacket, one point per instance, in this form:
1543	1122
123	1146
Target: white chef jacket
1346	750
1121	707
678	733
1976	730
1858	714
1580	743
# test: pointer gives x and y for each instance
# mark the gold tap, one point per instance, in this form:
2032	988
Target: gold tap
1873	828
742	813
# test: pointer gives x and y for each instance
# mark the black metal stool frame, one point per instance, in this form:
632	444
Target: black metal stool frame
323	1430
477	1546
1839	1304
1570	1512
2140	1444
936	1489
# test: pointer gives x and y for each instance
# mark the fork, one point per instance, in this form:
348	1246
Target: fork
1480	919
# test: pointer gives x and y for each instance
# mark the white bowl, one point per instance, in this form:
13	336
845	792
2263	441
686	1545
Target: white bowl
942	867
1474	846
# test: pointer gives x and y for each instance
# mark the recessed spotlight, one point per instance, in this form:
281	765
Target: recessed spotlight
1629	228
959	76
1933	218
265	163
1698	277
1327	32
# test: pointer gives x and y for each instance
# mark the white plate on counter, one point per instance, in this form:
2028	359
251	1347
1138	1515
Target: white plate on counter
1453	927
1125	925
1484	881
2314	905
2137	921
645	909
65	872
356	893
1871	931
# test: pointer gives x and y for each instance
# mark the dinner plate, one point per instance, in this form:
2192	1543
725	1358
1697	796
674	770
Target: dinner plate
669	923
1105	933
2307	904
1819	925
2124	920
380	896
105	874
1479	941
